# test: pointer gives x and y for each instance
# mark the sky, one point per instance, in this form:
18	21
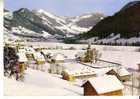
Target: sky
68	7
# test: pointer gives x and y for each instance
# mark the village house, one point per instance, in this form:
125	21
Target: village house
39	61
29	53
58	58
56	64
121	73
39	58
22	62
46	54
81	74
103	86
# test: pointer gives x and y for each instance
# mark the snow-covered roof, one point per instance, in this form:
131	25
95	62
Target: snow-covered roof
38	56
22	57
58	56
44	51
123	72
29	50
21	50
82	72
106	84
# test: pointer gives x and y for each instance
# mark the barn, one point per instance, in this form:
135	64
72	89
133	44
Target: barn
103	86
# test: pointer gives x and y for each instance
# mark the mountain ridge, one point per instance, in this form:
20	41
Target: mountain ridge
125	23
40	20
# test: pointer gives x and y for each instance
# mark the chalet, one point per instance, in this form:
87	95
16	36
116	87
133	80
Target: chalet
22	60
56	64
39	58
29	53
22	57
77	71
58	58
103	86
121	73
56	68
22	50
46	54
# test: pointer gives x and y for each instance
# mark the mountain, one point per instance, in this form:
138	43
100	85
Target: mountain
41	25
122	27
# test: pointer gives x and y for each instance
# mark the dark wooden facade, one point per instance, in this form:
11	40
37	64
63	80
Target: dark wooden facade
89	90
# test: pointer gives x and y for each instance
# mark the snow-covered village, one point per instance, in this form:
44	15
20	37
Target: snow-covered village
96	53
68	69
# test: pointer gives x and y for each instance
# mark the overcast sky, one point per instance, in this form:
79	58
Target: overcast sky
68	7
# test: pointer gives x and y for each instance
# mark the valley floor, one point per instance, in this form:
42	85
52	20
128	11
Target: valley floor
41	83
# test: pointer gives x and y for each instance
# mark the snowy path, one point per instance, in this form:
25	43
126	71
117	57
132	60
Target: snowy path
40	83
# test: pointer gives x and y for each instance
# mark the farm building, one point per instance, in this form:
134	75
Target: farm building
67	76
22	62
29	53
78	71
21	50
22	57
39	58
46	54
56	68
81	74
58	58
103	86
121	73
56	64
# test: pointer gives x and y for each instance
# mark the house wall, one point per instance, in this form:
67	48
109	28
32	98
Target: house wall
125	78
114	93
90	91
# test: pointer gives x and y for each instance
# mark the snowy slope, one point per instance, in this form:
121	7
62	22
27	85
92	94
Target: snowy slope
112	39
41	23
40	83
60	22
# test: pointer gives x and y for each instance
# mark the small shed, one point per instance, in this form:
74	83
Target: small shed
56	68
29	53
39	58
22	57
46	54
58	58
22	62
81	73
67	76
103	86
121	73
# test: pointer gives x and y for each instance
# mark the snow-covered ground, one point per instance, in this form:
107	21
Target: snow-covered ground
126	58
82	46
42	83
39	83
